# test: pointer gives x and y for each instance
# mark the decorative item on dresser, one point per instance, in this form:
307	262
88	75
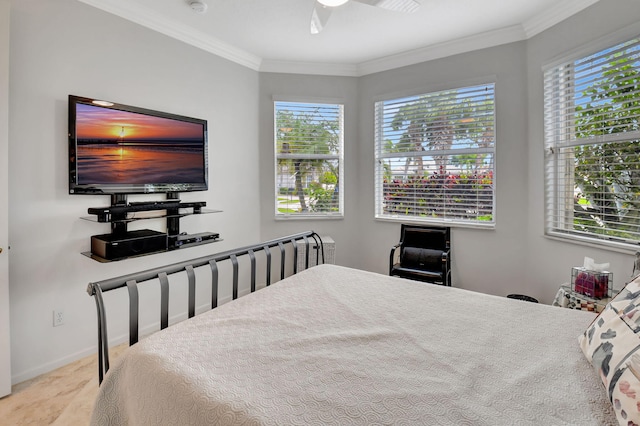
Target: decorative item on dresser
590	288
568	298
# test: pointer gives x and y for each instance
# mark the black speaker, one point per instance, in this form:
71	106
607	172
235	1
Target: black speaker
132	243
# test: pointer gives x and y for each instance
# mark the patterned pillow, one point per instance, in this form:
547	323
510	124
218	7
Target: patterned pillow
612	344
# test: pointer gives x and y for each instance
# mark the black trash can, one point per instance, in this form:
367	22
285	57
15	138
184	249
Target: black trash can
522	297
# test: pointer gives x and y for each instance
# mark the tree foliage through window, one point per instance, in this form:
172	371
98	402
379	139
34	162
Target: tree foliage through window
600	157
435	156
308	144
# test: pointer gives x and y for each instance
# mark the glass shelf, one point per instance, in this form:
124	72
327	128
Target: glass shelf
186	245
122	243
151	214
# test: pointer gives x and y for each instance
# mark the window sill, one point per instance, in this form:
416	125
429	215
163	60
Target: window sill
308	217
615	246
450	223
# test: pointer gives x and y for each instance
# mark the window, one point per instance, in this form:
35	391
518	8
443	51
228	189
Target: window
308	154
592	147
435	157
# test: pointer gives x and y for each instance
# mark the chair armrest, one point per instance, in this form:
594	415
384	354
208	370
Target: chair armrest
392	255
446	268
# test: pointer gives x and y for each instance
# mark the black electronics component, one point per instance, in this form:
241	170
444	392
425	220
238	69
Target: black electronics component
106	214
183	239
122	149
131	243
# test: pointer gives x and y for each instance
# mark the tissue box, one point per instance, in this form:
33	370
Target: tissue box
595	284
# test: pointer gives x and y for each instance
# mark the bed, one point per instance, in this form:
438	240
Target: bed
335	345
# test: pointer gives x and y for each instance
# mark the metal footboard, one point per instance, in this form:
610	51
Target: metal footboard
312	242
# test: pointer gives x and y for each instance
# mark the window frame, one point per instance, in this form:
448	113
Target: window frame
555	139
339	157
379	213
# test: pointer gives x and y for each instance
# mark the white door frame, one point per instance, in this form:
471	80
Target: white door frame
5	331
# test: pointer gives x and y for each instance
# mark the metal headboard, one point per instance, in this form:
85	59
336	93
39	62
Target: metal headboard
162	273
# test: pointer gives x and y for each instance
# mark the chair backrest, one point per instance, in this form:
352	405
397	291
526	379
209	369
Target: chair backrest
426	237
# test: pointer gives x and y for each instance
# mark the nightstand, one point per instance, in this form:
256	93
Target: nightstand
567	298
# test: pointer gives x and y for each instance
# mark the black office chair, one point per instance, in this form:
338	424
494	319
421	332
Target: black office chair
424	254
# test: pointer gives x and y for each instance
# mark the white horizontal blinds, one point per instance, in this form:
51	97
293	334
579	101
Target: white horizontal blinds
308	152
592	139
435	156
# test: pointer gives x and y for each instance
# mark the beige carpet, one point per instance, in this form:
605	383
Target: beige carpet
62	397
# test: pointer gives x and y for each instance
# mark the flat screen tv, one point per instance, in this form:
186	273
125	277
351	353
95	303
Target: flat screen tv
120	149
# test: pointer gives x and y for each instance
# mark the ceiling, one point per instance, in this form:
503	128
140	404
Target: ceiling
274	36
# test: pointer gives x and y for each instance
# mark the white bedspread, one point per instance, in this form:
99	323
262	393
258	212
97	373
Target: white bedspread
338	346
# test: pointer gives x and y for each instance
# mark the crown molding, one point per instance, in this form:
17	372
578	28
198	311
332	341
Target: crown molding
441	50
150	19
311	68
554	15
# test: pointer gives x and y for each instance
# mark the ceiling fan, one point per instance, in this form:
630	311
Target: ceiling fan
323	8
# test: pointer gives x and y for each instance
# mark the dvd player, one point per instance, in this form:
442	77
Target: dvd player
168	201
183	239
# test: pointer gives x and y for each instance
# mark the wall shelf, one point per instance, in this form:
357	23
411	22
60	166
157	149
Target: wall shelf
151	214
187	245
122	244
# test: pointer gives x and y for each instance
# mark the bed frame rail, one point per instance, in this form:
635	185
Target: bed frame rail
96	289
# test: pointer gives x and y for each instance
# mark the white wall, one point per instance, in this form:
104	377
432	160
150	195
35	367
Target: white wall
473	250
365	243
65	47
311	88
549	261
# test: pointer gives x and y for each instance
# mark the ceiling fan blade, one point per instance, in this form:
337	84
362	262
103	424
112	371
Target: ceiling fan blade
319	17
395	5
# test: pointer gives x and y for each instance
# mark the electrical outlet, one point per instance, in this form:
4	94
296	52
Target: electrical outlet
58	318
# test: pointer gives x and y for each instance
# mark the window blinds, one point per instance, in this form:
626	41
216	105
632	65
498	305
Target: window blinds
308	155
592	146
435	156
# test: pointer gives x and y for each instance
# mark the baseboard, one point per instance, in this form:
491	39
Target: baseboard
61	362
50	366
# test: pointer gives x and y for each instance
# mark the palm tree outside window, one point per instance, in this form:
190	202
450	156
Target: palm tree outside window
309	159
435	157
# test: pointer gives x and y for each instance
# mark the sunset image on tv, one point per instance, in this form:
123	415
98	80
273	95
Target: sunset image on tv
117	147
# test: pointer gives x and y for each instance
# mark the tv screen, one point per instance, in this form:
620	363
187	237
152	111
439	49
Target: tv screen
120	149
